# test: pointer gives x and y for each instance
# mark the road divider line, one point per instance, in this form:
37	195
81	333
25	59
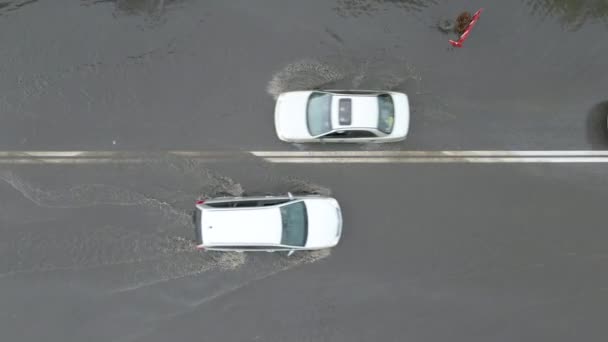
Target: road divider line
303	157
210	153
429	160
473	153
114	154
72	161
12	161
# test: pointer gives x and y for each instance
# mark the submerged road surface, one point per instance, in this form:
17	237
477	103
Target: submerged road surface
486	224
430	251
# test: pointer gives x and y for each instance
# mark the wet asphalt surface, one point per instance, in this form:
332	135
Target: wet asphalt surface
455	252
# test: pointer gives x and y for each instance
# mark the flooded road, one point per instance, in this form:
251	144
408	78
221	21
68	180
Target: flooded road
97	238
188	74
459	252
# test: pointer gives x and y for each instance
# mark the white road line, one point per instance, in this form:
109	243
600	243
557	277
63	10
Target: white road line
473	153
113	154
312	157
209	153
21	160
430	160
455	153
70	160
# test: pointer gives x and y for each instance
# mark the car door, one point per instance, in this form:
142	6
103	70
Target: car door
272	200
254	201
350	136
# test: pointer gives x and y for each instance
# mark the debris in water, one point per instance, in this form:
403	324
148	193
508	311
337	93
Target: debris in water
462	22
446	25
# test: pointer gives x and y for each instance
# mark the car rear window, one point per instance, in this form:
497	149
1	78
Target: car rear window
386	113
295	224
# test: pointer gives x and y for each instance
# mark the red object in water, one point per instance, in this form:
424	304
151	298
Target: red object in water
457	43
200	201
466	33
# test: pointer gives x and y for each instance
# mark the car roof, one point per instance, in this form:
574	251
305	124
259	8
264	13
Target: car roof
241	226
364	111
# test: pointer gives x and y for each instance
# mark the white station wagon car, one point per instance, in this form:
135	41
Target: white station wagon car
342	116
268	223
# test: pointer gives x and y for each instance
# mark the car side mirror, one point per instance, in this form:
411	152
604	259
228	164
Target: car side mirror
291	252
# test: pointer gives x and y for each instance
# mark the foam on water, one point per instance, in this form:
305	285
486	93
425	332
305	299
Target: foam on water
386	73
97	245
89	195
78	196
378	72
301	186
266	268
356	8
303	75
175	267
260	266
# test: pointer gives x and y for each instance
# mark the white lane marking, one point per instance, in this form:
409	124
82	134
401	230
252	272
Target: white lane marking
478	153
57	154
41	153
21	160
312	157
474	153
54	153
388	160
208	153
94	154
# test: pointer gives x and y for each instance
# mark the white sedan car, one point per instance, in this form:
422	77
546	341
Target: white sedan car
342	116
268	223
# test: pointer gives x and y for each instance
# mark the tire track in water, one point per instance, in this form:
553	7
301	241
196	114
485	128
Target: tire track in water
51	249
177	306
122	257
377	72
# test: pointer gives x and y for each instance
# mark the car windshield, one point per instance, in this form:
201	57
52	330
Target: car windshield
318	111
386	113
295	224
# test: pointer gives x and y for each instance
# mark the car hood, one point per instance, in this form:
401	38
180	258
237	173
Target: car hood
324	222
290	115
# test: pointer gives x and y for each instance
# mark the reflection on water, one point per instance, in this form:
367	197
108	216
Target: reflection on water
137	7
597	134
571	13
153	8
355	8
13	5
